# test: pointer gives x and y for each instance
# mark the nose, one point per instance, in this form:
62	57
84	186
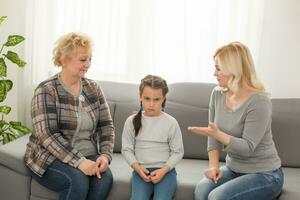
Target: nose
87	64
151	103
215	73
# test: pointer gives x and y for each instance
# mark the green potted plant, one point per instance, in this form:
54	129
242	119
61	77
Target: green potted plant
9	130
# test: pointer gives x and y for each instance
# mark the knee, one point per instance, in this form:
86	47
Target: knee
202	190
80	184
216	195
107	177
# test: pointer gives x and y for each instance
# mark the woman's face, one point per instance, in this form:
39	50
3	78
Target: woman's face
77	65
221	77
152	100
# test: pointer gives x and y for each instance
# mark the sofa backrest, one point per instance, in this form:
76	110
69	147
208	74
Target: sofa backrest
188	103
286	130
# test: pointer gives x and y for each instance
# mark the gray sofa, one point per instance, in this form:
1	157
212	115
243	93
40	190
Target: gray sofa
188	103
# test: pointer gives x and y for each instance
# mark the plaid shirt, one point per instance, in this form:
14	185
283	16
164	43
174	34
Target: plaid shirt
54	116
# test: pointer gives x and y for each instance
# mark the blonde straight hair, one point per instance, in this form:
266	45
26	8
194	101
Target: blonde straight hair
237	63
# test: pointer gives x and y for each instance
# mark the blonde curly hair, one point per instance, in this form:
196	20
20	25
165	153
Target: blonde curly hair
67	45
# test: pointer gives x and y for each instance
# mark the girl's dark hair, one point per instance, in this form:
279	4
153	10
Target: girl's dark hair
154	82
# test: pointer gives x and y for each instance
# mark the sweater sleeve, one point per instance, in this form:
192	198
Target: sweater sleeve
46	129
176	146
211	142
105	127
128	142
257	121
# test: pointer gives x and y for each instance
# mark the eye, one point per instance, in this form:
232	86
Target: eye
217	68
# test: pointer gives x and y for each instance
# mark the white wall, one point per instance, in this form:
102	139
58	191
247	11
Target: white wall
13	25
278	57
278	65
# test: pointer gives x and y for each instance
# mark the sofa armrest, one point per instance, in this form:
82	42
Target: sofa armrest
12	155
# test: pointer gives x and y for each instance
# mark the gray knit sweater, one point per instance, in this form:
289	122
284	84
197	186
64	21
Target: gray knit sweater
158	143
251	148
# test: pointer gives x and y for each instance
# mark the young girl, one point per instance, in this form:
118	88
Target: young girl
152	143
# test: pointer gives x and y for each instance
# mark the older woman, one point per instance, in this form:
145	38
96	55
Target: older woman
73	135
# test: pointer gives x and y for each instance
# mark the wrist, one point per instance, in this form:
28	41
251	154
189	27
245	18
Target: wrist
135	166
166	168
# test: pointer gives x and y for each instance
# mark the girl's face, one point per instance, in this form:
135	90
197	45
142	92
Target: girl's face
221	77
152	100
77	65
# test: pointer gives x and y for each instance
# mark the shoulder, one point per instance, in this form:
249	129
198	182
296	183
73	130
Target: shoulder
261	98
48	85
169	118
261	102
86	82
129	119
217	92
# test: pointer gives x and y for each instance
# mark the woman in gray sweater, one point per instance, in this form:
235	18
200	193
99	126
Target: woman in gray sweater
240	114
152	143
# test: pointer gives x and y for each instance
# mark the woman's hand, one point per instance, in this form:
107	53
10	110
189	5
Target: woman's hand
88	167
102	164
213	173
211	130
142	171
157	175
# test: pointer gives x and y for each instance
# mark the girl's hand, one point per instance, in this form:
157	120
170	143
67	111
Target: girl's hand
102	164
88	167
157	175
213	173
142	171
211	130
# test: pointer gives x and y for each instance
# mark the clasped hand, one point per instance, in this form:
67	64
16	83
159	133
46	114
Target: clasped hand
91	168
154	176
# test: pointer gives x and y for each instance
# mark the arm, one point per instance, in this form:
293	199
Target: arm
105	127
255	126
128	142
46	127
176	147
176	154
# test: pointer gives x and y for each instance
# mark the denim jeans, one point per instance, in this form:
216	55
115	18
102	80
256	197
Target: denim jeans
164	190
72	184
257	186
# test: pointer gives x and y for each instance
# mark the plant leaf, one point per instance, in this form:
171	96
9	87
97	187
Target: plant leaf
5	86
13	40
5	109
3	91
3	68
3	123
2	18
15	123
14	57
9	84
18	126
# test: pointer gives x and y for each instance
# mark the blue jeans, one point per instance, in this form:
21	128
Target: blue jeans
258	186
72	184
164	190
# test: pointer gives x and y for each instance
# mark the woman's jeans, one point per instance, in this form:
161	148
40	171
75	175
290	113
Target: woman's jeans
164	190
72	184
252	186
